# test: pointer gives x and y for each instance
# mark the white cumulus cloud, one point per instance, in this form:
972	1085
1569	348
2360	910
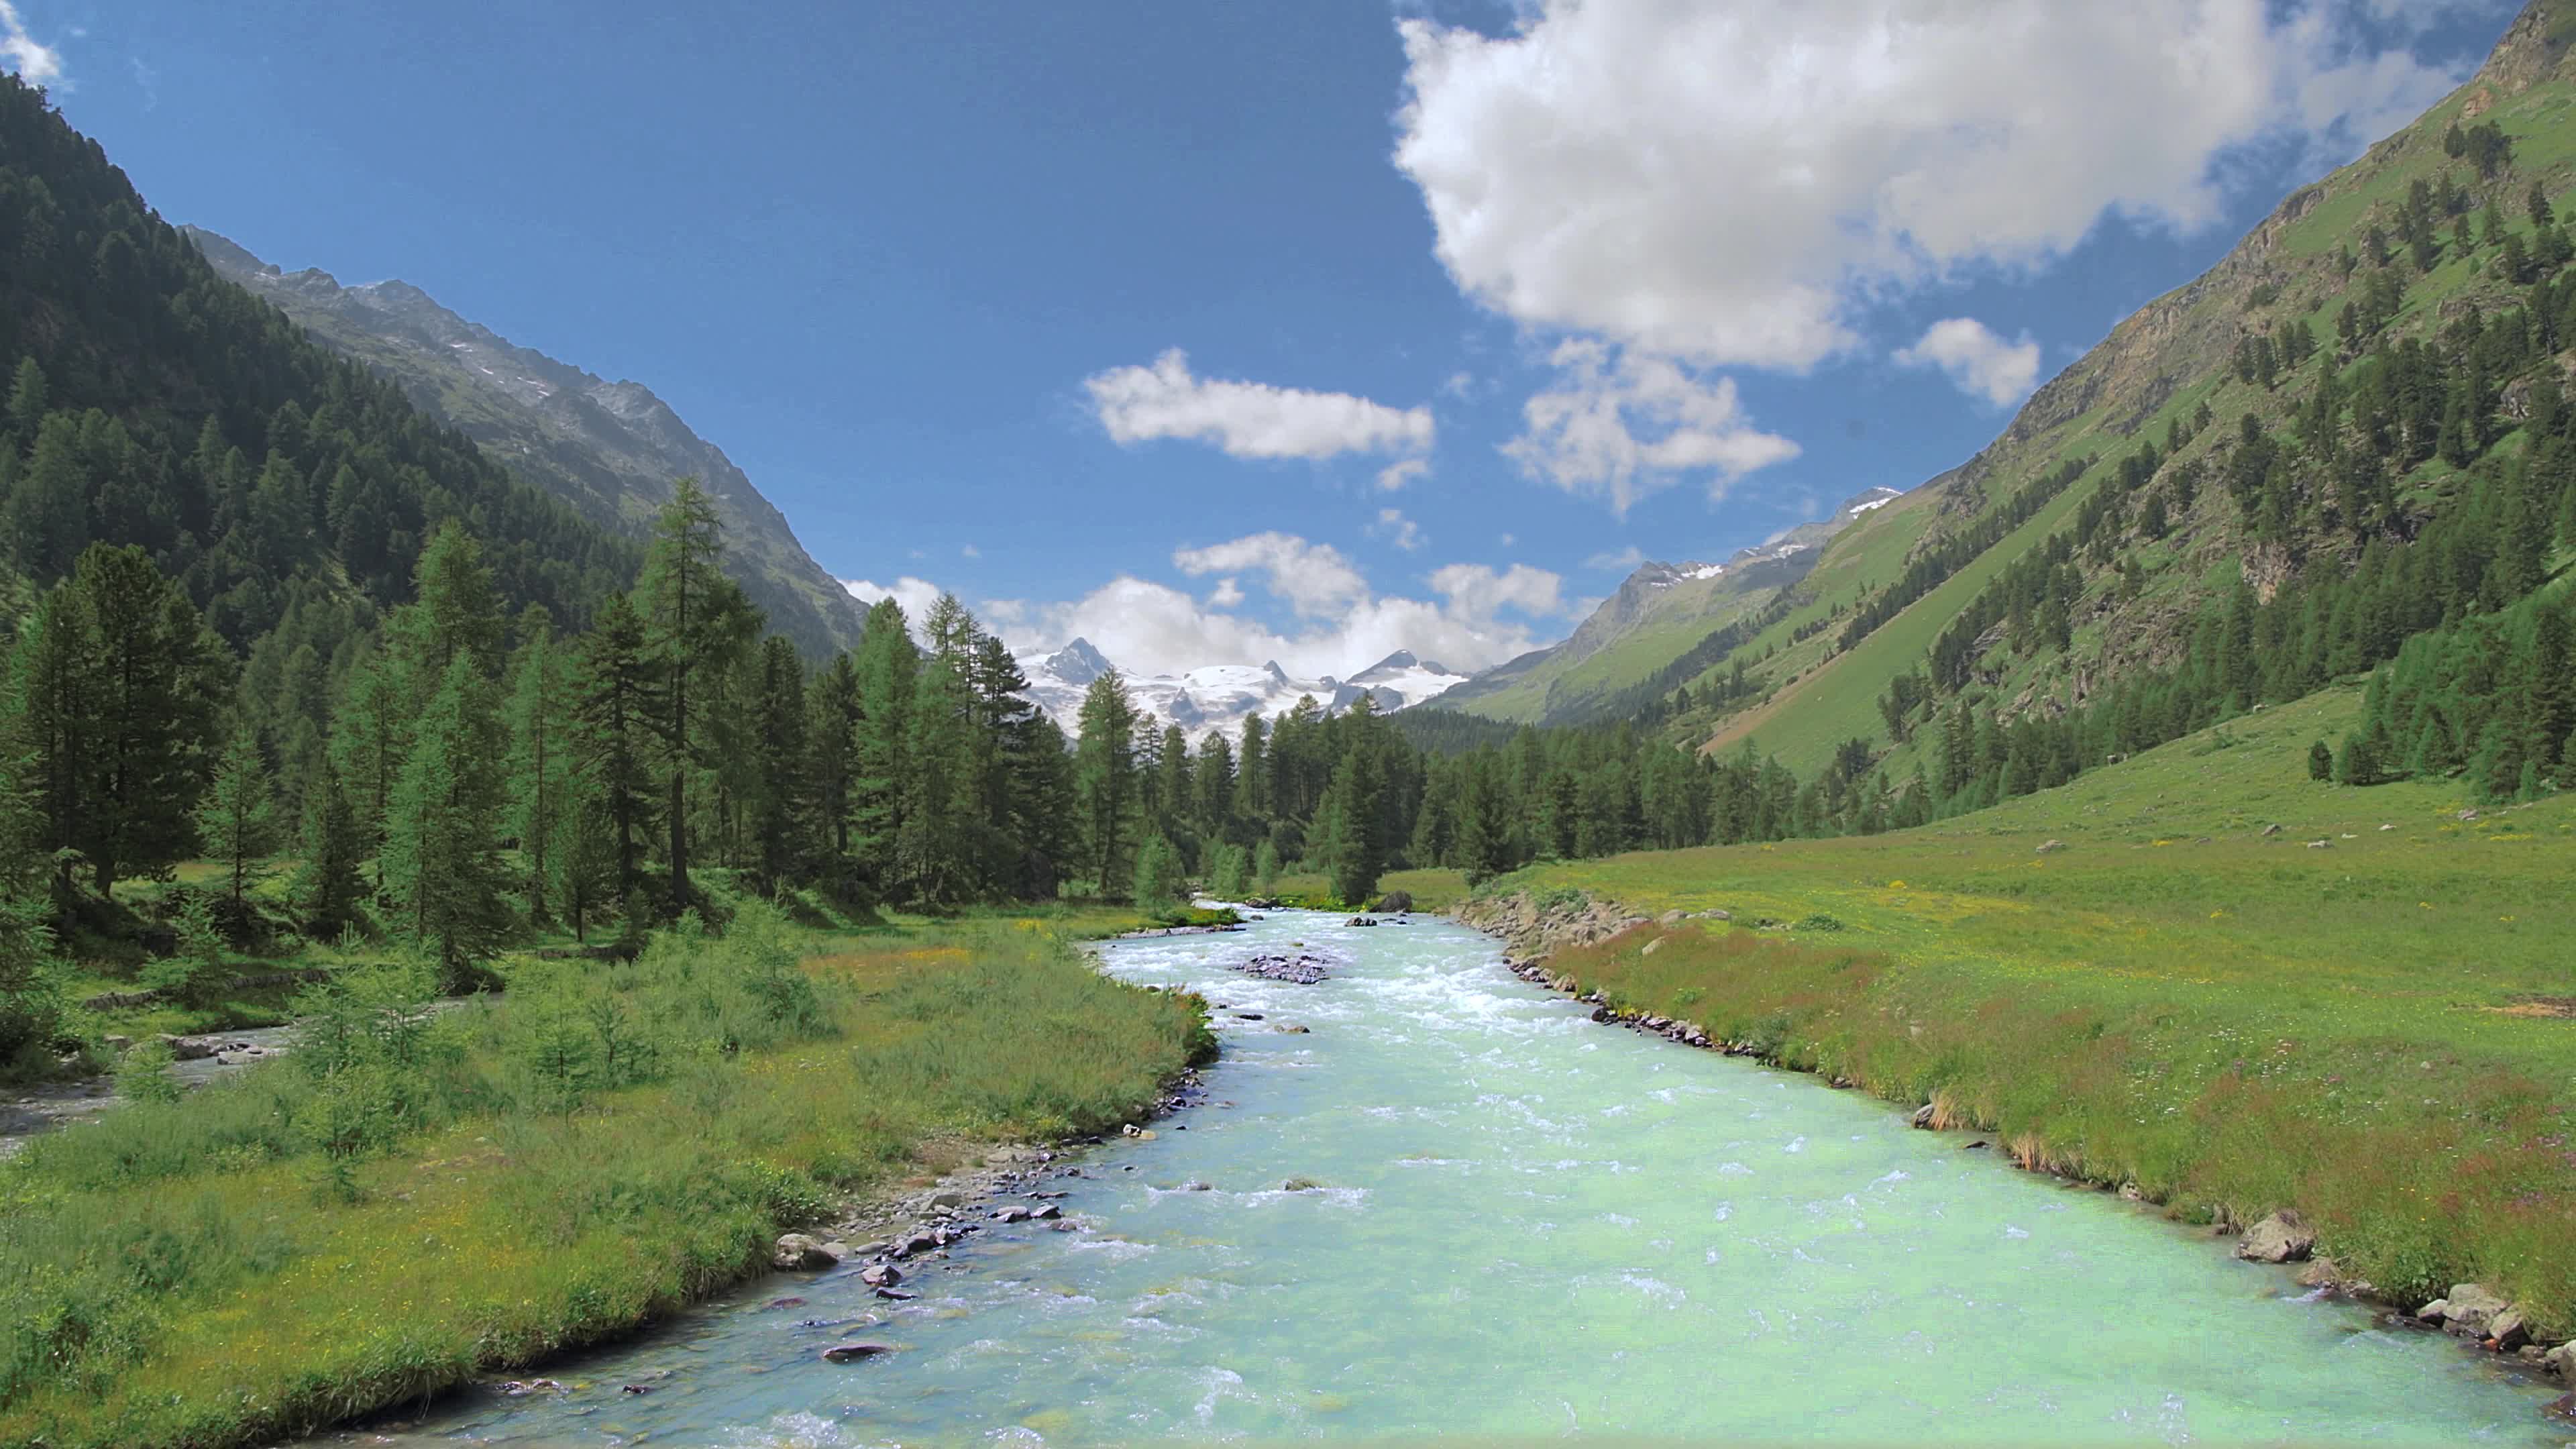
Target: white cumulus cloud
1475	616
1315	578
1249	419
35	62
914	595
1621	427
1397	529
1726	181
1982	364
1404	470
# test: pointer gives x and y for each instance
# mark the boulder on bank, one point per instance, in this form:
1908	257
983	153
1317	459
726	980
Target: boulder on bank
2280	1238
2469	1308
800	1253
1394	903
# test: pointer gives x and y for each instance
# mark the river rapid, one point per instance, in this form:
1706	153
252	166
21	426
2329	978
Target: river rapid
1529	1227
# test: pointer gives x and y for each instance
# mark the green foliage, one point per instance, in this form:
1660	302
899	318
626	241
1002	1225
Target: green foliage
1230	876
237	818
143	1074
1158	875
329	891
245	1226
442	866
199	969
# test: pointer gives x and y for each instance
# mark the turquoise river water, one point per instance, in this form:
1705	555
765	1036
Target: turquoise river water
1531	1227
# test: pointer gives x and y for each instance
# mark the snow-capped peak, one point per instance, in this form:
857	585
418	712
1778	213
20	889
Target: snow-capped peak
1218	697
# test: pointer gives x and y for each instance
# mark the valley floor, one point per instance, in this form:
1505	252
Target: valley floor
221	1269
2197	972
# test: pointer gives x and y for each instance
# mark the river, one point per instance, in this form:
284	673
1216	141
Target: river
1530	1226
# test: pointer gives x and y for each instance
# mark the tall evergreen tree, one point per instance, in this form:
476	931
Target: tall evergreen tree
887	665
151	717
539	719
442	864
613	701
697	623
329	890
783	759
1105	777
237	820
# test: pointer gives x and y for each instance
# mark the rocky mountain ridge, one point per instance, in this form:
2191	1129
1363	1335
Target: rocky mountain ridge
611	449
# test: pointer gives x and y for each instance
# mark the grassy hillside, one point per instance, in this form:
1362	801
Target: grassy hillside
2367	1014
1667	620
2143	592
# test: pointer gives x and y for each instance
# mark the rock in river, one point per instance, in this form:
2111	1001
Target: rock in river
2280	1238
798	1253
853	1352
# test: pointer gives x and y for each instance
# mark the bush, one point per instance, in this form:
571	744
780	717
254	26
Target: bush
197	972
143	1074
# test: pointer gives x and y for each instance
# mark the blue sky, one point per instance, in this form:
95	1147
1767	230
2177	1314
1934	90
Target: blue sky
1314	330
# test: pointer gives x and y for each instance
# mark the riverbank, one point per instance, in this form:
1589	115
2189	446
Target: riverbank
1368	1230
2228	1008
251	1262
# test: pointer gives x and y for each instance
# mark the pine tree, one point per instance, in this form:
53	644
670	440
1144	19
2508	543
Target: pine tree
613	695
888	664
31	1004
782	757
832	767
697	623
456	609
149	718
584	857
2321	765
1105	777
370	738
935	852
329	889
237	820
540	720
442	863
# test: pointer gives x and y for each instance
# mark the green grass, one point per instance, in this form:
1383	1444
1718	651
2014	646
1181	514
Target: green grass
2380	1032
218	1270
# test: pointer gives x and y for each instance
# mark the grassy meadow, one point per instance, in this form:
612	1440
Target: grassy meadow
412	1199
2134	979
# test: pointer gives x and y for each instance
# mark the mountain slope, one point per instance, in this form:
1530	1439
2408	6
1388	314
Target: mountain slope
2115	518
156	404
1659	613
610	449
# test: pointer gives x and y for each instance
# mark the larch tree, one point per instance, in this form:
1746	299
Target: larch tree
887	665
329	891
151	720
696	624
237	820
539	718
613	692
442	863
1104	776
